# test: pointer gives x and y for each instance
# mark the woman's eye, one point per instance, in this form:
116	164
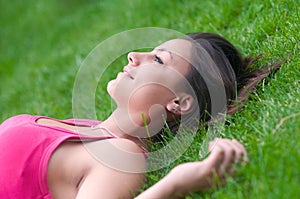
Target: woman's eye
158	59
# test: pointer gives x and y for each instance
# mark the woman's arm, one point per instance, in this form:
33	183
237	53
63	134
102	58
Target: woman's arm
104	182
198	176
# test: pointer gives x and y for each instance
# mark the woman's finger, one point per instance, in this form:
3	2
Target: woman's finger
243	153
213	143
230	152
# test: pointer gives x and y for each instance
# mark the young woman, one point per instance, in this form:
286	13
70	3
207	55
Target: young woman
43	157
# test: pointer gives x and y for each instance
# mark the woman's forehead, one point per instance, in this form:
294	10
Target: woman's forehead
180	47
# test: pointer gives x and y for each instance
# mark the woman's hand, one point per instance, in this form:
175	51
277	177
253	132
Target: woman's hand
197	176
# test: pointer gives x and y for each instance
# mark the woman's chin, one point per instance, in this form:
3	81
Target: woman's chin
110	87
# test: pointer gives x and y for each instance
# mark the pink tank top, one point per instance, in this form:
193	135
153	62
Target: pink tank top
25	149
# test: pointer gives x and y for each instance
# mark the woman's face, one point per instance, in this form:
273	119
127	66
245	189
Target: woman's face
151	78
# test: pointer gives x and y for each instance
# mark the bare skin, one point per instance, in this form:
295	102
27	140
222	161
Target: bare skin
73	172
82	176
201	175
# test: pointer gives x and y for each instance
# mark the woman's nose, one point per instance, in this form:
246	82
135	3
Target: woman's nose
133	58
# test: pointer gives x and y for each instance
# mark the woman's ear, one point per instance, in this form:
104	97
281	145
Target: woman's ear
181	105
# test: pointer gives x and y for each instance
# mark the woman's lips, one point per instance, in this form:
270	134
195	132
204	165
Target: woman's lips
129	75
126	71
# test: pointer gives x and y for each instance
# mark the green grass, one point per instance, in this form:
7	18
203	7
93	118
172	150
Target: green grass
42	44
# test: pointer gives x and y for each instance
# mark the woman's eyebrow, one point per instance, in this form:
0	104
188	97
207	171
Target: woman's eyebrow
165	50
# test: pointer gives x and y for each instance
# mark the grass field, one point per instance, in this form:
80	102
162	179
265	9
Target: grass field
42	44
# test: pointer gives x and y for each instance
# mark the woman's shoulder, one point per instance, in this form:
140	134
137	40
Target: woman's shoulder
111	168
116	153
126	144
117	169
119	153
77	164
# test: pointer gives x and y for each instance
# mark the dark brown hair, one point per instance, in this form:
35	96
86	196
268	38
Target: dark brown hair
238	80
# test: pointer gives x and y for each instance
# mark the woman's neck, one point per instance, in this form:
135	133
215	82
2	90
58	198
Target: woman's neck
123	126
